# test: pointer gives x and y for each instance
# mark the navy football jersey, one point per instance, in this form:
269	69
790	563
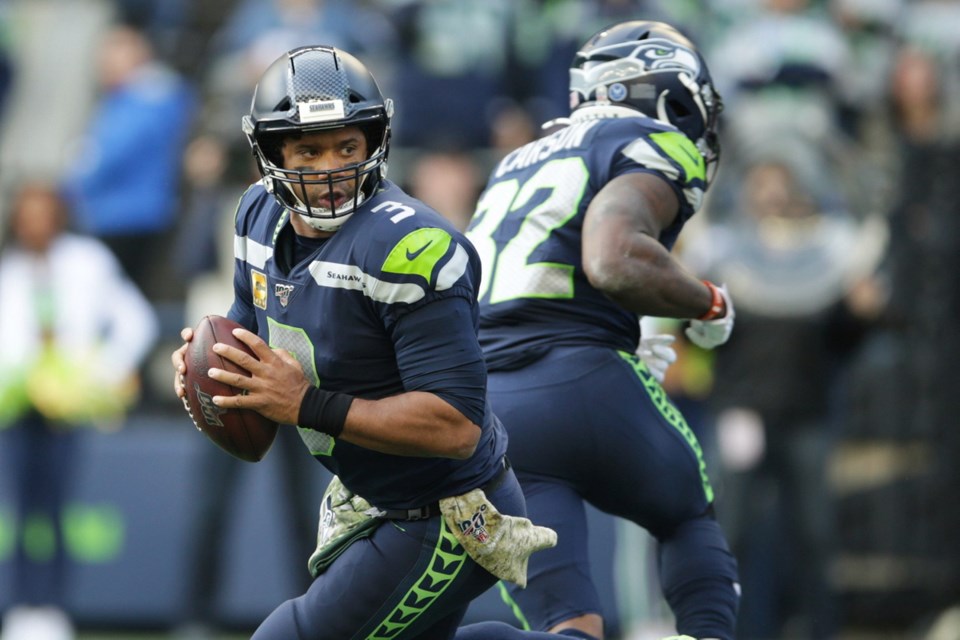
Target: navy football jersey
527	231
368	312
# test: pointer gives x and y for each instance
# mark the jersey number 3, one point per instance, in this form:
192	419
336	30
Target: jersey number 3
508	272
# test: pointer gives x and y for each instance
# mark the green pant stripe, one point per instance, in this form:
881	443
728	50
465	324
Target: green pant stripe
670	414
514	606
447	561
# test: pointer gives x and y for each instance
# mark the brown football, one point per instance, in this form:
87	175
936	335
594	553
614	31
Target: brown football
240	432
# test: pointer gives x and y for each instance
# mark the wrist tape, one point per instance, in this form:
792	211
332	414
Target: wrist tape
718	306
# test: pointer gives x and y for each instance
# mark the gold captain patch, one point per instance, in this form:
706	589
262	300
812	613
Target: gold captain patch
258	283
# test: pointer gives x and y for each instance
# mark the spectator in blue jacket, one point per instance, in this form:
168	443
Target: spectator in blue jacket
124	185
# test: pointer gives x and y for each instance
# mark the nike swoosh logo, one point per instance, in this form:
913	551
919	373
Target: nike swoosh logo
413	255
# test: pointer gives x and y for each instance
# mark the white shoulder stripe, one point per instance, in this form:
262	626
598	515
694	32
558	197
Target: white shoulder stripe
345	276
453	270
251	251
694	196
641	152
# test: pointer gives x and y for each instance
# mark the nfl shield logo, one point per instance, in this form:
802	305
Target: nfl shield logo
282	291
476	526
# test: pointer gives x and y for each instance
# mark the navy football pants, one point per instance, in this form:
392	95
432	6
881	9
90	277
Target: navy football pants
591	424
408	580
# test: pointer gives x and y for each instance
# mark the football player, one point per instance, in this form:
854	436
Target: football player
574	231
360	304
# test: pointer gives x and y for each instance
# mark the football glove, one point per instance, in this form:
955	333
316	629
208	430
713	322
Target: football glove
657	354
710	331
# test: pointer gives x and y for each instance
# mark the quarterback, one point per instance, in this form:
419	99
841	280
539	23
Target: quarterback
360	304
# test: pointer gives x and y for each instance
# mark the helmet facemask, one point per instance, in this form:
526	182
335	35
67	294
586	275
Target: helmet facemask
308	90
290	186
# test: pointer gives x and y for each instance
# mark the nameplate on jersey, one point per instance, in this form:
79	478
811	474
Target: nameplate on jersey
320	110
258	284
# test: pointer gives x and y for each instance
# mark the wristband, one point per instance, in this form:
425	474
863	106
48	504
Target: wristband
324	411
718	307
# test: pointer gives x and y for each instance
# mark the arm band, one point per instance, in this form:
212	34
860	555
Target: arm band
324	411
718	307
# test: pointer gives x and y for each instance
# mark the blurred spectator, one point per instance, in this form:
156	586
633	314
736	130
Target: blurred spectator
449	75
802	278
82	330
868	28
162	21
784	67
277	25
513	128
256	32
124	181
930	26
917	97
922	343
448	181
917	118
209	200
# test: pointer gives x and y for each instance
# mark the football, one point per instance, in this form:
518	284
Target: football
242	433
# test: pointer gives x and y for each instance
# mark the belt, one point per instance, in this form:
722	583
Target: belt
433	509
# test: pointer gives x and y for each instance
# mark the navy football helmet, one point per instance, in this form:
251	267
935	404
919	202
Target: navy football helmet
313	89
652	68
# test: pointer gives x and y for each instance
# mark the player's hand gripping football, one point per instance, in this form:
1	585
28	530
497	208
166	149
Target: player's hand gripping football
711	333
178	359
657	354
276	384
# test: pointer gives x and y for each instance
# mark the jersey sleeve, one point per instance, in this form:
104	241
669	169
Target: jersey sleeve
422	264
438	351
242	310
665	151
427	274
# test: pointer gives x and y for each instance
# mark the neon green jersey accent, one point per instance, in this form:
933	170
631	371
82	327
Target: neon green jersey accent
683	152
418	253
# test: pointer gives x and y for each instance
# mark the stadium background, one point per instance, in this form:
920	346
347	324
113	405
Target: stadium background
820	83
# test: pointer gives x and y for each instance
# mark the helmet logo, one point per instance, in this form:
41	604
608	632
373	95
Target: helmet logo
664	55
320	110
617	92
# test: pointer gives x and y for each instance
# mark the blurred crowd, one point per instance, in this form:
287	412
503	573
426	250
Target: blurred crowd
834	221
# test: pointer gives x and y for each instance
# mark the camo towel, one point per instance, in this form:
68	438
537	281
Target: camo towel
344	518
499	543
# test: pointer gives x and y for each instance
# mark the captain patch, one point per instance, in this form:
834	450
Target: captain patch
258	282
